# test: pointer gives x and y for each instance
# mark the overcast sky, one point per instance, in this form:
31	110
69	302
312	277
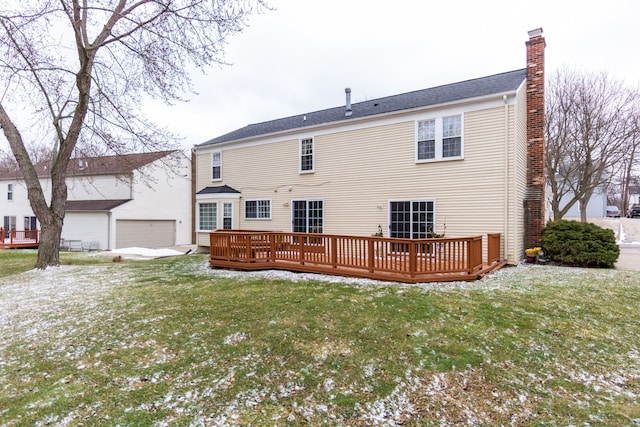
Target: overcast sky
299	57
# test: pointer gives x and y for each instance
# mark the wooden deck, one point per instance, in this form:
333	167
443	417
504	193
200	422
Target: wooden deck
19	239
402	260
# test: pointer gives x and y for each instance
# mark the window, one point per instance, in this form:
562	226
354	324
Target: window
308	216
30	223
439	139
411	219
306	155
207	216
227	216
216	166
452	136
257	209
10	192
427	139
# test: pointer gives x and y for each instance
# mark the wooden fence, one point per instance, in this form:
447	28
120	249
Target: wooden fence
406	260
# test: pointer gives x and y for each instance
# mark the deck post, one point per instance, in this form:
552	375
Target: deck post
412	259
272	247
370	258
334	251
302	250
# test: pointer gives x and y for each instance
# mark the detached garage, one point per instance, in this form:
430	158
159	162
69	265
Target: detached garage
145	233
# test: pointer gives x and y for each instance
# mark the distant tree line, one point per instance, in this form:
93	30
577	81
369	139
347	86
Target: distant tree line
592	133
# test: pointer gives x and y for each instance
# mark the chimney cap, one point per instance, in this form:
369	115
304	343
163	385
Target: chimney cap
535	33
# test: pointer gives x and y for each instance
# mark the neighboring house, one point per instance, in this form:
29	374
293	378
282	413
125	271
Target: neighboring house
462	159
634	195
139	199
596	207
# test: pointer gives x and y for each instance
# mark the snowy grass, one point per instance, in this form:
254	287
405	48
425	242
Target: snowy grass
172	342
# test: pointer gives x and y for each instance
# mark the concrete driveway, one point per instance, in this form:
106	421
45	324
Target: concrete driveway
629	240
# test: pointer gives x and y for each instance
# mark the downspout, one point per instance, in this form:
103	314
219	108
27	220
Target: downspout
194	174
109	231
506	234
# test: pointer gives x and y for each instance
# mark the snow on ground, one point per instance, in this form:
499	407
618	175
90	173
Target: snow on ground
138	253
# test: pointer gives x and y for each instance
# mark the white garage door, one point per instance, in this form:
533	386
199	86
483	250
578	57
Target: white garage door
145	234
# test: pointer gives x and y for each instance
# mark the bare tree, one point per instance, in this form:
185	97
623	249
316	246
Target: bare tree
80	67
587	125
630	160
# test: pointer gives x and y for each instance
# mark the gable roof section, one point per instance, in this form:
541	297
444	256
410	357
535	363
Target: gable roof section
496	84
88	166
94	205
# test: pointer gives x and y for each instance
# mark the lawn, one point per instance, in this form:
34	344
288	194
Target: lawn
172	342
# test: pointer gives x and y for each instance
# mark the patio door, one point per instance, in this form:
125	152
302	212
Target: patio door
410	219
9	224
307	216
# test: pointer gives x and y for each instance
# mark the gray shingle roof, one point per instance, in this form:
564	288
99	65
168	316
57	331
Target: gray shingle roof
221	189
496	84
93	205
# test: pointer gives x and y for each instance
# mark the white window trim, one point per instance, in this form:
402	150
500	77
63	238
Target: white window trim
201	202
244	205
324	217
10	193
313	156
213	154
439	139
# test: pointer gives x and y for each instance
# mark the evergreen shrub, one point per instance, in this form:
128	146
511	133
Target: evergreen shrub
579	244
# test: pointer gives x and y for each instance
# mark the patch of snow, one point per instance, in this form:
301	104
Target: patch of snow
145	252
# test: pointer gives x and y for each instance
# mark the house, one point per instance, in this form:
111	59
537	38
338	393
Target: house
634	195
463	159
596	207
141	199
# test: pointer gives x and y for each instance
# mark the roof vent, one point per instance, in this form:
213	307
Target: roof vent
348	111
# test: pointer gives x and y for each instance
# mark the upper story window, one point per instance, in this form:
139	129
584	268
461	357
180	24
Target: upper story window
216	166
439	139
257	209
452	136
426	139
306	155
10	192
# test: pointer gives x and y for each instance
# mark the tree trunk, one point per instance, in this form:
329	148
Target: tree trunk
49	249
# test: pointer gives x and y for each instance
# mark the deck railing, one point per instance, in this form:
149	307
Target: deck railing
409	260
19	238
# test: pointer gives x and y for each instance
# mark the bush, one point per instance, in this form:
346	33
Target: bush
580	244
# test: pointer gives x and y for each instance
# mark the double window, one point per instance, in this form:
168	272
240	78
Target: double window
257	209
216	166
306	155
411	219
308	216
439	139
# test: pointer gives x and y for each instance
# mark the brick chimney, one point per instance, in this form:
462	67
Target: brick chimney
534	202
